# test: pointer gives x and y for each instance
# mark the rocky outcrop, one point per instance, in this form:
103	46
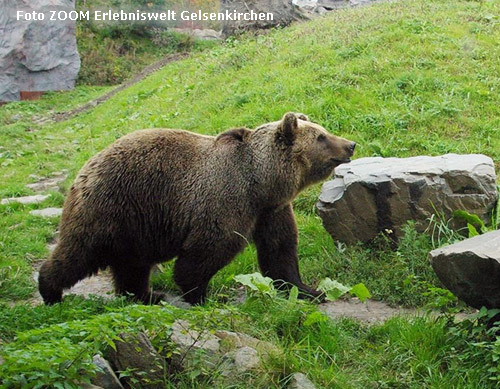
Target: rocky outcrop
283	11
36	55
236	353
471	269
373	195
321	7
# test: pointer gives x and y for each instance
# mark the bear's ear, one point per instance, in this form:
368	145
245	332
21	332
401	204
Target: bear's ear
234	135
301	116
288	128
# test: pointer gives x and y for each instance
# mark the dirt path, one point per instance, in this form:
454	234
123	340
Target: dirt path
370	312
62	116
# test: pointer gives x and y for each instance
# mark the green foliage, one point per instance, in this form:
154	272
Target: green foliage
475	225
334	290
61	355
24	317
477	339
257	284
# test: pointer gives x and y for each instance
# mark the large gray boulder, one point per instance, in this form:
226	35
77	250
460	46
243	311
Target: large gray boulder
36	55
373	195
471	269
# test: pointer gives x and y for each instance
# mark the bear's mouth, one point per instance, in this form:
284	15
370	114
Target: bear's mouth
341	161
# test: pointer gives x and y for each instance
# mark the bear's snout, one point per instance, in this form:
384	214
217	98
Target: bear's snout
351	148
346	152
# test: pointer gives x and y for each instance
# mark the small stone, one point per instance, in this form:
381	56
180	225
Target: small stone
331	5
245	359
320	10
191	343
187	338
307	5
232	340
36	199
471	269
47	212
300	381
239	361
207	34
106	377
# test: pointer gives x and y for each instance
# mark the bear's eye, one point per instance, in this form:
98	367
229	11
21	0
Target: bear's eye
321	138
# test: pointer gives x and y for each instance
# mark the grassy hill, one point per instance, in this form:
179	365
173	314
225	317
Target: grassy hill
400	78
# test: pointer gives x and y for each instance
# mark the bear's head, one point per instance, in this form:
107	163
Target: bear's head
288	155
316	152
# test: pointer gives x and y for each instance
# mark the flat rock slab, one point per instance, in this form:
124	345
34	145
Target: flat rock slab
471	269
98	285
370	311
47	212
36	199
48	183
373	195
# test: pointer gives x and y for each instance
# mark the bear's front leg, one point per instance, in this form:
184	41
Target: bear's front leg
276	239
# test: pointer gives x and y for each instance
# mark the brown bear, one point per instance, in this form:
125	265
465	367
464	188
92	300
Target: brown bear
158	194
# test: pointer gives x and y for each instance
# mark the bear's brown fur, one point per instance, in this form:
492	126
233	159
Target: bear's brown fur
158	194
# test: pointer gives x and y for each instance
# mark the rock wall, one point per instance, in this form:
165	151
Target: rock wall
36	55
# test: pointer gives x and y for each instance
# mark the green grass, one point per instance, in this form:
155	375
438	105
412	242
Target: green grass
401	78
419	352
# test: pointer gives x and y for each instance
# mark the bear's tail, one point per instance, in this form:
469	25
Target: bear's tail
59	274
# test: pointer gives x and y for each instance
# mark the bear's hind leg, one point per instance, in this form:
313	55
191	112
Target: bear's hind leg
69	264
192	280
134	280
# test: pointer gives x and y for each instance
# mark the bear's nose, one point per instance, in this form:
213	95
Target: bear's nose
351	147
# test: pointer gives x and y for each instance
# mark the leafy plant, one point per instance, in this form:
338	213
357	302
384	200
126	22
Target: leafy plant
257	284
475	225
334	290
478	339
